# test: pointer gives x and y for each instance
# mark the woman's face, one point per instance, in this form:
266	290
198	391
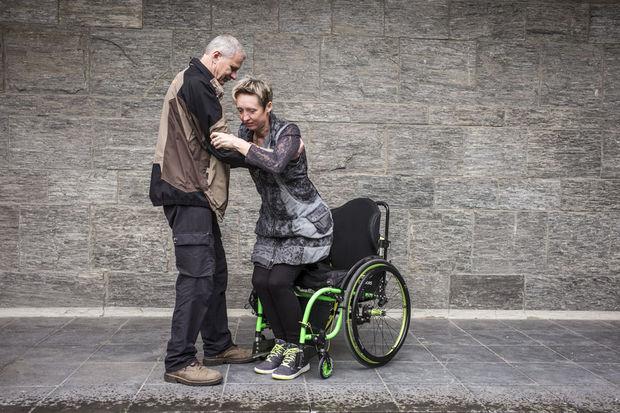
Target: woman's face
251	113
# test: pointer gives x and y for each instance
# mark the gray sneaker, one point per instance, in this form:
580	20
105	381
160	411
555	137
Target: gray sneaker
274	358
293	364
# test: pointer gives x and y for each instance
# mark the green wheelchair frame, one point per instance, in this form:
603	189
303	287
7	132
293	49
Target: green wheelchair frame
362	300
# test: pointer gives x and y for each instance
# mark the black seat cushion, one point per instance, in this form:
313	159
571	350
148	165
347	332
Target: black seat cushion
356	236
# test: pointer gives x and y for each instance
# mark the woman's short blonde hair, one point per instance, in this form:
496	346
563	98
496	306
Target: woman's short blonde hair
254	86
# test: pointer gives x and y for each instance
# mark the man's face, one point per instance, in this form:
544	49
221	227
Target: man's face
226	68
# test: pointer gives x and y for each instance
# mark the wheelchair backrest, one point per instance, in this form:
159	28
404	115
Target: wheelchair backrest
356	232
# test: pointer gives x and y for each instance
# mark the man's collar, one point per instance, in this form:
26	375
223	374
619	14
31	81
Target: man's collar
219	89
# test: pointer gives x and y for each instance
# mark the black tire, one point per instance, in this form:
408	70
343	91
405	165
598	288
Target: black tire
377	313
326	366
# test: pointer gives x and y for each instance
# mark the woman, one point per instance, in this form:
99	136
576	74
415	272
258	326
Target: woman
294	227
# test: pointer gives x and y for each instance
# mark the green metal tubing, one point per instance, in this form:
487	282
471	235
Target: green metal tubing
260	326
336	329
316	296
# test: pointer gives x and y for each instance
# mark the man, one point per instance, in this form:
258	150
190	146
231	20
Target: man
190	180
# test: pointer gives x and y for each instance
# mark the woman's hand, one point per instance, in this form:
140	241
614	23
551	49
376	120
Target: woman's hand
221	140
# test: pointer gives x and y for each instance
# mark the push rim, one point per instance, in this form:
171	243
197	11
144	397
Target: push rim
378	314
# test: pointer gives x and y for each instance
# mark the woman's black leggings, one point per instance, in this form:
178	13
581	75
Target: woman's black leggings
280	304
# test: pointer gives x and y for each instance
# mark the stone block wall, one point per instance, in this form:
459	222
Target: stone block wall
491	128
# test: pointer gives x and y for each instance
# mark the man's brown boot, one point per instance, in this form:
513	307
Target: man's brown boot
194	375
232	355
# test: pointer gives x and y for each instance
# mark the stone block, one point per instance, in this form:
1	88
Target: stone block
440	242
186	14
417	18
154	289
529	194
352	17
133	188
564	153
9	237
346	147
495	152
398	235
561	117
74	187
467	115
425	151
242	191
129	239
4	142
581	244
54	238
2	65
58	57
497	292
41	288
18	187
590	195
115	55
611	75
429	290
256	17
124	143
507	73
50	143
611	156
305	16
22	104
493	246
557	20
355	68
598	292
486	19
29	11
604	23
437	71
110	13
466	193
530	238
571	75
299	76
386	113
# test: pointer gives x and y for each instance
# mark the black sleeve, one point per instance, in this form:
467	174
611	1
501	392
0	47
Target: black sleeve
276	160
206	109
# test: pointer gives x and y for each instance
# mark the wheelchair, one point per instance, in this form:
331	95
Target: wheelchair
356	286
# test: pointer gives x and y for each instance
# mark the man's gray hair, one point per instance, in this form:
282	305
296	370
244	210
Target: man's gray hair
226	44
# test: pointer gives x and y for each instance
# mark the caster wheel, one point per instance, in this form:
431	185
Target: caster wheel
326	366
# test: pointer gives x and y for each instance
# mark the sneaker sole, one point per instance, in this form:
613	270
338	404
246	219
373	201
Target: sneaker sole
169	378
259	371
291	377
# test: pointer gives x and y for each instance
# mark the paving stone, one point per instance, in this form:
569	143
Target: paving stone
169	397
487	19
353	68
437	71
129	353
605	337
28	373
604	23
114	55
571	75
22	398
593	398
493	291
527	354
300	76
449	353
114	13
341	397
558	373
416	373
415	353
583	326
351	17
435	398
29	11
564	153
515	398
345	372
608	371
501	337
562	338
557	20
59	57
267	397
418	18
488	373
54	353
592	353
257	17
305	16
190	14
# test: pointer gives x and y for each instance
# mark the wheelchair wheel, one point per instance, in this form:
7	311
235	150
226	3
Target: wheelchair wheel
326	366
377	313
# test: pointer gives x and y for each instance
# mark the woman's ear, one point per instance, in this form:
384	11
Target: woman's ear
268	107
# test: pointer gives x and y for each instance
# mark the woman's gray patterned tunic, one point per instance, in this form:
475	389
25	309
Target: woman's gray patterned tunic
294	226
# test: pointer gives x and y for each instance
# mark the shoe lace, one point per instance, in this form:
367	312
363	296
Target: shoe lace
276	351
289	356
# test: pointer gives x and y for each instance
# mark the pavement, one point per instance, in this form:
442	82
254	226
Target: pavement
115	364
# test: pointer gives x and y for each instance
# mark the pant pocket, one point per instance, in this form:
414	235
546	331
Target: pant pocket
195	254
